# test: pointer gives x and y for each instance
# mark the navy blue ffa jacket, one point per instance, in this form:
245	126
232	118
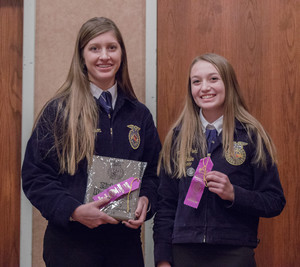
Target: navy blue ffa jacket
258	193
129	134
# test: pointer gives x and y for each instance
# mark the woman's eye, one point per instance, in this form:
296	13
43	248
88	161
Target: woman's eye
113	47
93	48
195	82
214	78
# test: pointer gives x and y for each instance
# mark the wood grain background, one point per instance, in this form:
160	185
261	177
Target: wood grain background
11	33
262	41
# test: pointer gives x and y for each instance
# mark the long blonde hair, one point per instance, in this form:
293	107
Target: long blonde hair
77	113
186	133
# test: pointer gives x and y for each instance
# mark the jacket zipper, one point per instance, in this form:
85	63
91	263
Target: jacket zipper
110	125
110	128
206	208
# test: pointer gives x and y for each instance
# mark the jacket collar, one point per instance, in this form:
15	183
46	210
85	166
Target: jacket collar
239	125
124	99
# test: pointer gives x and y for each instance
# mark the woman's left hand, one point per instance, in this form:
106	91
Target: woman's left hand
140	213
219	184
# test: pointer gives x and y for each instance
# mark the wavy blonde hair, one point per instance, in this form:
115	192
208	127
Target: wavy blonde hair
187	132
77	113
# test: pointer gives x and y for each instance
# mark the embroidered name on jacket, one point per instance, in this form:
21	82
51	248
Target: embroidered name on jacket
239	154
190	159
134	136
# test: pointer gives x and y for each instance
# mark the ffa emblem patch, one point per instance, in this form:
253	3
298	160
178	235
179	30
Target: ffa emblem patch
239	154
134	136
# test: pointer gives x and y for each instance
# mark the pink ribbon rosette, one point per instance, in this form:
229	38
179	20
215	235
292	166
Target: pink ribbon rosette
198	183
120	189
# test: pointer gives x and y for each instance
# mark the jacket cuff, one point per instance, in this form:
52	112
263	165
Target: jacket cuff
64	211
163	252
151	205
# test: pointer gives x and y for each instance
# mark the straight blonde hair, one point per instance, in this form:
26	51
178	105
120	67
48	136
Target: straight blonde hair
76	115
186	133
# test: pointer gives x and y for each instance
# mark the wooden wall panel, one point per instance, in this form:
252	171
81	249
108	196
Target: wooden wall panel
262	41
57	25
11	32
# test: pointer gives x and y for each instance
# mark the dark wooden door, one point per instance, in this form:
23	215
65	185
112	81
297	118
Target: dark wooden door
262	41
11	34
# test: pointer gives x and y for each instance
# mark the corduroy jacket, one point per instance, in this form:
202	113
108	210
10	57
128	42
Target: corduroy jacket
57	195
258	193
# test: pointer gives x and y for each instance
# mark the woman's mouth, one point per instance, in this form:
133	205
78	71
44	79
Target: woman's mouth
207	96
103	66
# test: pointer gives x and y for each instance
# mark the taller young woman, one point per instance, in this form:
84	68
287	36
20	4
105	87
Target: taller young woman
71	128
209	217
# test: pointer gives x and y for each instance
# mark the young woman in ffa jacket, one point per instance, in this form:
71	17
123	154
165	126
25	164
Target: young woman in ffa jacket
72	127
210	218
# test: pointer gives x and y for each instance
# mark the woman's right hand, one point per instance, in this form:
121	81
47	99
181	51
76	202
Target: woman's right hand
163	264
90	215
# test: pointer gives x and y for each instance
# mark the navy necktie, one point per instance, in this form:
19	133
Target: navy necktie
211	135
105	101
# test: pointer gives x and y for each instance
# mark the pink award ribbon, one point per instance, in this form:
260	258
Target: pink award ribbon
120	189
198	183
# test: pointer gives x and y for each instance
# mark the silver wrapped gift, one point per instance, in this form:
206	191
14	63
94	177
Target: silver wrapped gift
106	172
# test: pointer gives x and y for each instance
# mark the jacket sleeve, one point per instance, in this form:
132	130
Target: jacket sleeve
40	174
165	217
266	199
150	179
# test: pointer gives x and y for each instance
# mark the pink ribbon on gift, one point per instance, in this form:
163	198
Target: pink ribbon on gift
198	183
120	189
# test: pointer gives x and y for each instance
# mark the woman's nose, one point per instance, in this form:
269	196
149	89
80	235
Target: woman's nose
205	86
104	54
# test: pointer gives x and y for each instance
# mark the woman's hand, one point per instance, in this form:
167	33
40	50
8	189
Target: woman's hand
163	264
90	215
219	184
140	213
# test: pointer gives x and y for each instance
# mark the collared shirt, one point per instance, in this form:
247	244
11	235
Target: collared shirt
218	124
96	92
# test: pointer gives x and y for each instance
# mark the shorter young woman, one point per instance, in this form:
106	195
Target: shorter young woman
243	185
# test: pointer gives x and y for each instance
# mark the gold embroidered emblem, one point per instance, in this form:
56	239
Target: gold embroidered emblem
239	154
134	136
98	130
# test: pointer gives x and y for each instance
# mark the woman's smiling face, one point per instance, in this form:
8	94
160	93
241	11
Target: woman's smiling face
102	56
208	90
